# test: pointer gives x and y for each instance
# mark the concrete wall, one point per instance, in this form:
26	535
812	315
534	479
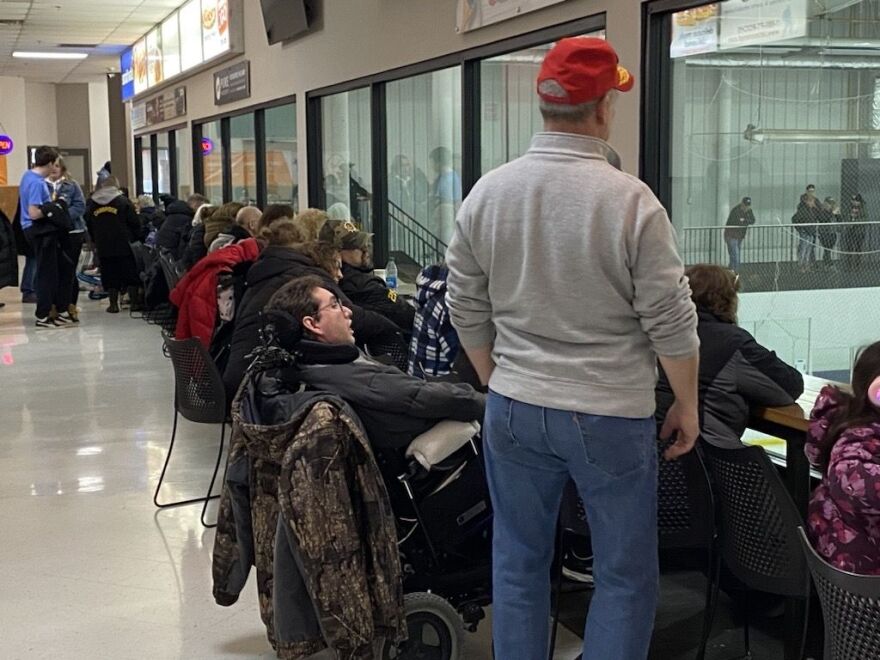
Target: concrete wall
73	106
348	48
13	122
99	124
42	117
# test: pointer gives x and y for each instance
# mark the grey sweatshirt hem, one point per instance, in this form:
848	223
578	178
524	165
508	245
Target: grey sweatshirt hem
588	398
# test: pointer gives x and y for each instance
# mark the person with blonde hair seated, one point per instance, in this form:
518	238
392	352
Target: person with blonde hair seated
286	256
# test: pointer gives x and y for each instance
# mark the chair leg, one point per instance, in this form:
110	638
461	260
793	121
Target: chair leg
193	500
713	578
210	497
746	621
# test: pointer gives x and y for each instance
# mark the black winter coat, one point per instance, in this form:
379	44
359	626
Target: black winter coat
151	218
8	253
365	289
393	406
195	248
736	374
113	224
275	267
25	249
174	233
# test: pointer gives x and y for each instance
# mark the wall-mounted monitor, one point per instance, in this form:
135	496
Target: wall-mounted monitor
285	19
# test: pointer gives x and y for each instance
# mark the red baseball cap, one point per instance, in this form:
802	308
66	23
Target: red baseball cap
581	69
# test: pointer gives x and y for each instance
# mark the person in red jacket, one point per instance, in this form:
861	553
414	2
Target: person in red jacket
196	294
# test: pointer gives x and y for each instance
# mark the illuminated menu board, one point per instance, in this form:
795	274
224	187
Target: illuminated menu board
154	58
198	32
170	47
215	27
139	63
190	35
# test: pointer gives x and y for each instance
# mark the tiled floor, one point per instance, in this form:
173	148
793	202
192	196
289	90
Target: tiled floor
89	568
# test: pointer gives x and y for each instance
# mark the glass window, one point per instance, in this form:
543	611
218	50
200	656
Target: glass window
164	160
146	166
282	175
243	155
346	138
183	147
424	163
509	114
775	168
212	161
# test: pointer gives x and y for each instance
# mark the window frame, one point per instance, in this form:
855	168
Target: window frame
259	117
469	60
152	142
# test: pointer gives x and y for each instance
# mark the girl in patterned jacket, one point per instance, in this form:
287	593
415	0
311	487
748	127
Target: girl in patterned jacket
844	443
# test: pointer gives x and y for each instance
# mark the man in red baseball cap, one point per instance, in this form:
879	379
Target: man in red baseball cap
566	288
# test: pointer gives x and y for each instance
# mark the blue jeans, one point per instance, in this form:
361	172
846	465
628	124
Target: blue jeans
733	248
530	454
806	249
28	276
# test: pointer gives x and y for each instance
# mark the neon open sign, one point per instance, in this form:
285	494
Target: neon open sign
207	146
6	145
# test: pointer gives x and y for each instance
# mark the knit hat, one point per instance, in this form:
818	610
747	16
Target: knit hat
579	70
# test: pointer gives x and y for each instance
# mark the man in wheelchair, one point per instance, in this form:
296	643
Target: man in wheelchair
394	407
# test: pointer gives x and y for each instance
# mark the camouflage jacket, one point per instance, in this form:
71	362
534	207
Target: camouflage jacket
305	503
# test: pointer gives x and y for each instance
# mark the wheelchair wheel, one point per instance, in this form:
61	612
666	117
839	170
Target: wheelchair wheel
435	629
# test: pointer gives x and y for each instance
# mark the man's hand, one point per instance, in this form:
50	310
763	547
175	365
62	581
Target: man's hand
685	424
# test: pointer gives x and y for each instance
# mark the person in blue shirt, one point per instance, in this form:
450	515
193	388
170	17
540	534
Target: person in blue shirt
445	193
43	236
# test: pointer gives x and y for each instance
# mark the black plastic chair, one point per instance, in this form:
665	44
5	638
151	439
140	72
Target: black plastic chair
199	396
850	607
686	518
757	530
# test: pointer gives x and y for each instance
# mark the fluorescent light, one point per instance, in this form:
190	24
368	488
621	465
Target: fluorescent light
49	56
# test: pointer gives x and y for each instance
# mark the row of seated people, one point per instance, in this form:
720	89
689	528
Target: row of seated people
736	372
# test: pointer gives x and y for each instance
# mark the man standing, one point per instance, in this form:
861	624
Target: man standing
41	233
565	287
739	220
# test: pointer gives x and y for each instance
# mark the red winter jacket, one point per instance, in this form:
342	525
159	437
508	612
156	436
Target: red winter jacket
196	294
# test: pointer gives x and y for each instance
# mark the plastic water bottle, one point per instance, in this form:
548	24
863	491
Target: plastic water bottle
391	274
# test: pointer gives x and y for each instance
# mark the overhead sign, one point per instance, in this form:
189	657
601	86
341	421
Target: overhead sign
753	22
695	31
232	83
6	145
126	69
198	32
474	14
170	104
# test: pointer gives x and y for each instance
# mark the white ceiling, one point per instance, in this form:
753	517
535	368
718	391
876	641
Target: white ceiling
109	26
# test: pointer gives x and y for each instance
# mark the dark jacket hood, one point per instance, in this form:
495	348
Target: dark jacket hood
179	208
275	261
106	195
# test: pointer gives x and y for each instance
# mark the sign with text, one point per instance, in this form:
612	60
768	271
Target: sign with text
170	104
6	145
474	14
753	22
207	146
126	69
695	31
232	83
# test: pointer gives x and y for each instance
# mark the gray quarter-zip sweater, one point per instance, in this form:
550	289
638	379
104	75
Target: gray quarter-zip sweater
568	267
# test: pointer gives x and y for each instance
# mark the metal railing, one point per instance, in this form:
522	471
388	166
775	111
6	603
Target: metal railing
409	236
779	242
